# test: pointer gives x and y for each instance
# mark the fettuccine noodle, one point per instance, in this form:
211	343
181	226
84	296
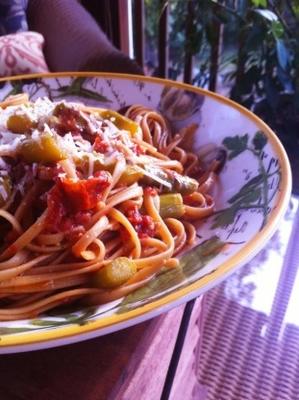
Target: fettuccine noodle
93	204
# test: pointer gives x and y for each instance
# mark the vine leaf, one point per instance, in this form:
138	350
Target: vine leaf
13	330
167	281
259	3
17	87
76	89
235	145
277	29
46	323
259	141
66	319
247	197
225	218
251	197
249	187
199	256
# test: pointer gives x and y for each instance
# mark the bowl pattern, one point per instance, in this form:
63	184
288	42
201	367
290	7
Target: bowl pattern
252	193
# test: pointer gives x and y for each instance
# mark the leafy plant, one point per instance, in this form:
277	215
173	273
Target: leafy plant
260	52
250	47
266	59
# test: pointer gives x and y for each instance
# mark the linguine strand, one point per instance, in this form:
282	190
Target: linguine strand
54	248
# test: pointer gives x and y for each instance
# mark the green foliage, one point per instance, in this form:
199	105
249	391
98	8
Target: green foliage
66	319
76	88
259	3
247	189
267	62
260	51
168	280
259	141
235	145
254	194
225	218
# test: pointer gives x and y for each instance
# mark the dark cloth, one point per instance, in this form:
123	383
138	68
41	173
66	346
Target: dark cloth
73	39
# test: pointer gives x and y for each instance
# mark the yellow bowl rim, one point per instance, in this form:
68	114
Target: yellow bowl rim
65	332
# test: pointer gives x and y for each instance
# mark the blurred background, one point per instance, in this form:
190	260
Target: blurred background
247	50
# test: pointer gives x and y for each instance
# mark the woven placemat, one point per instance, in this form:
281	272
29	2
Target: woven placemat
248	354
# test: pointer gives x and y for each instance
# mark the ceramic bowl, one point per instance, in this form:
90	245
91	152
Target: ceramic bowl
251	196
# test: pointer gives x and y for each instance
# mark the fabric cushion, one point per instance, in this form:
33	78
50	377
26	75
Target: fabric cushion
21	53
13	16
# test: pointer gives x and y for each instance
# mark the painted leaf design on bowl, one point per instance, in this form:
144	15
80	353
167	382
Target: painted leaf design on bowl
178	105
167	281
76	87
252	196
255	193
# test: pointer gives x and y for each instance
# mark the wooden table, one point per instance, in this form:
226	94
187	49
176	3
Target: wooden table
152	360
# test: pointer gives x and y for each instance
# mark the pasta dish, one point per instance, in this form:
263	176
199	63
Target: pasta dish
94	203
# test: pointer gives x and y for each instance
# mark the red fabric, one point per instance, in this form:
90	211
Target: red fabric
21	53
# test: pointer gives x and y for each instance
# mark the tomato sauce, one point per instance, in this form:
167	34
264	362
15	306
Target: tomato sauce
71	120
100	145
150	191
70	204
144	225
189	200
138	150
84	194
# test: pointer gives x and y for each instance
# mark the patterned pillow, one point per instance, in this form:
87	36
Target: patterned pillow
13	16
21	53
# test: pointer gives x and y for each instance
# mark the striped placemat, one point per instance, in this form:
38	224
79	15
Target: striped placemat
250	349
